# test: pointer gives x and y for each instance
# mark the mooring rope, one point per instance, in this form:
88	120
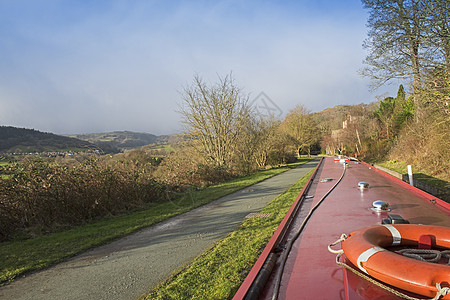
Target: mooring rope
427	255
442	291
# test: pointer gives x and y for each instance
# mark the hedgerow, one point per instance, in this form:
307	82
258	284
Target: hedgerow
37	196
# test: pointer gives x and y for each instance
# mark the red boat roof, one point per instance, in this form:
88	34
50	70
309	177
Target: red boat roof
311	271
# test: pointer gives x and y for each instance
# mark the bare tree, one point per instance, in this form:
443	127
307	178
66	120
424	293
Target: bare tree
406	39
300	125
247	144
437	34
213	116
267	134
394	40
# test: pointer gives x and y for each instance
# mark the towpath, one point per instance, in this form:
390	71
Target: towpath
128	268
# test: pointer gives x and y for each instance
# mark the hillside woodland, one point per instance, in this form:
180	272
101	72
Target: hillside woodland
123	140
22	140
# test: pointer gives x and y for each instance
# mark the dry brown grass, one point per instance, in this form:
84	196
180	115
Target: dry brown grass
425	143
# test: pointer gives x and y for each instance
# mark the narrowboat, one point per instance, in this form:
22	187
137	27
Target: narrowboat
355	232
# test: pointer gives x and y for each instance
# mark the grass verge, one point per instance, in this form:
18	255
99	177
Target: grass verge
443	182
22	256
219	271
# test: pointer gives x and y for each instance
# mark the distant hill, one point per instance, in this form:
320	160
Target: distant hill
332	118
21	140
123	139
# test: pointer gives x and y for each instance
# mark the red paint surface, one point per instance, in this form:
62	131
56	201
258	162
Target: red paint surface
277	236
311	271
439	203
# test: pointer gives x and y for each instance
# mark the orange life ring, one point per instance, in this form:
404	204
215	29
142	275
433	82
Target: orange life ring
365	249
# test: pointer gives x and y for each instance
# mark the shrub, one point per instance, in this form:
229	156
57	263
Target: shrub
41	197
426	144
186	168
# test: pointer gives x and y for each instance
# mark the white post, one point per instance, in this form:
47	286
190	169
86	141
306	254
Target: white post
410	175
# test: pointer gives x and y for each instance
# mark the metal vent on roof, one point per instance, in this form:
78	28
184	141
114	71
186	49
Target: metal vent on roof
363	185
380	205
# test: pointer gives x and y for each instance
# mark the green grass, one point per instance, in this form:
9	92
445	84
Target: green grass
397	166
401	167
21	256
4	163
107	138
165	147
219	271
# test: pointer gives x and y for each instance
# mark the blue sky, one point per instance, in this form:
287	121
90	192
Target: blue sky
95	66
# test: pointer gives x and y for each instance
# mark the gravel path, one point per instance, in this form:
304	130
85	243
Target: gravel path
128	268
